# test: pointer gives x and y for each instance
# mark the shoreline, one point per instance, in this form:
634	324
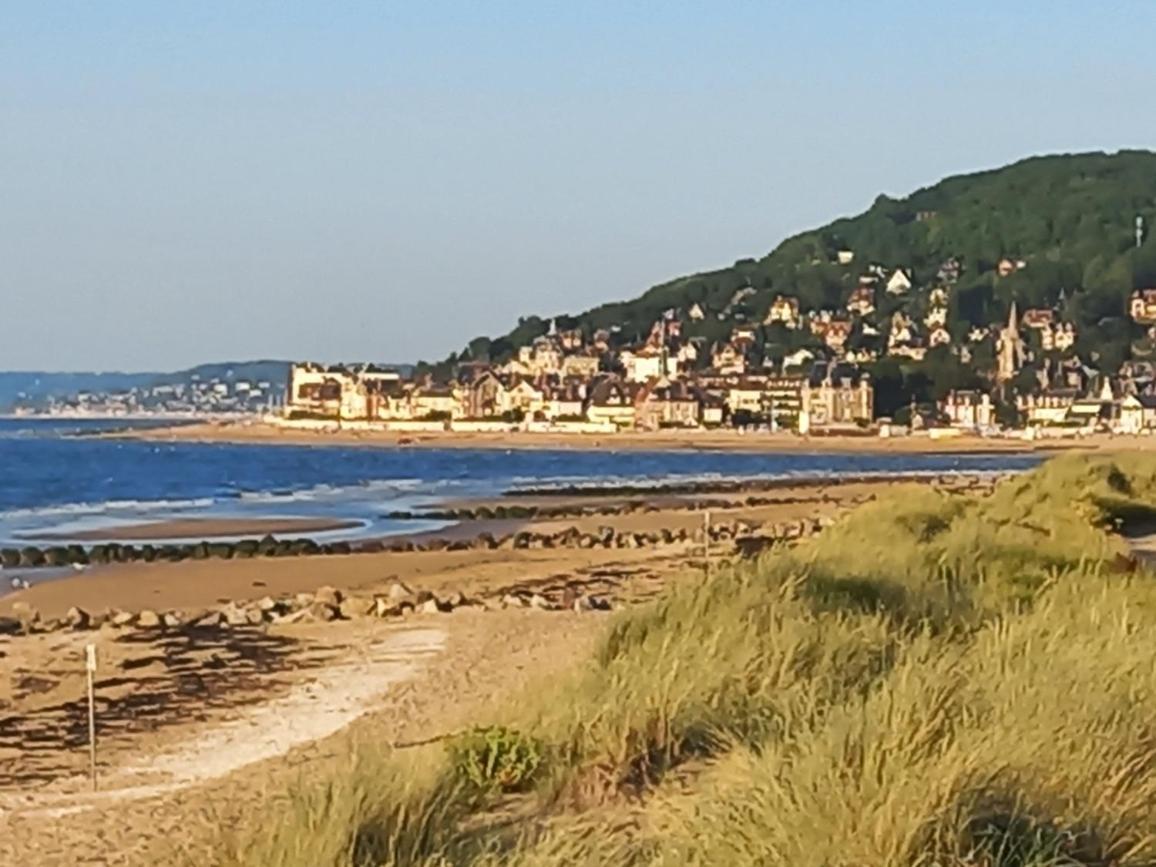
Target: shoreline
261	433
207	529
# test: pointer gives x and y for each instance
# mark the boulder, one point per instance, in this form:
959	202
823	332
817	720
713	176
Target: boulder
453	600
148	619
122	618
28	616
77	618
254	616
206	620
267	603
398	591
541	602
302	600
172	619
9	626
323	611
511	600
234	615
429	606
328	596
352	607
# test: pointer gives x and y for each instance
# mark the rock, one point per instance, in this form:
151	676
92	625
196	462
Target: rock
26	614
398	591
206	620
121	618
511	600
297	616
541	602
352	607
254	616
581	603
323	611
9	626
302	600
172	620
429	606
267	603
328	596
234	615
453	600
148	619
77	618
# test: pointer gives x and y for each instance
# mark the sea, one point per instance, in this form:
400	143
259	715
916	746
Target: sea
58	478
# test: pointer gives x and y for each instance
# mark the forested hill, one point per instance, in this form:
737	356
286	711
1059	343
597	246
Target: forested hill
1070	218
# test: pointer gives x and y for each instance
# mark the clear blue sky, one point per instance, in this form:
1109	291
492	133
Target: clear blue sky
182	182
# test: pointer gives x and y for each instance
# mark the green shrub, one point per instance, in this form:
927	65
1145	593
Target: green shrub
496	758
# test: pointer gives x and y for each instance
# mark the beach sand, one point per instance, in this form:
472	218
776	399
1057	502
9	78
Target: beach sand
264	433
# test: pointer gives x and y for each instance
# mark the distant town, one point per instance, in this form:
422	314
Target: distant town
567	380
573	379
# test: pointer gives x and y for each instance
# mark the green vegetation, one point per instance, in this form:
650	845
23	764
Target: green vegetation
939	679
496	758
1071	218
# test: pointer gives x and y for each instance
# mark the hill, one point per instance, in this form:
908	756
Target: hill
1067	223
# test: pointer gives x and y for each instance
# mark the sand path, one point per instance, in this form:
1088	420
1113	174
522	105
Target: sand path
315	709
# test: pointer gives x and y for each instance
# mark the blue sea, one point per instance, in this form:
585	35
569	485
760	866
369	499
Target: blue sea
54	481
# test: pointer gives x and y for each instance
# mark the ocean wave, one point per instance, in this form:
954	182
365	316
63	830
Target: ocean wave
106	506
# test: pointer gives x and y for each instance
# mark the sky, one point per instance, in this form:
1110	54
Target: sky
189	182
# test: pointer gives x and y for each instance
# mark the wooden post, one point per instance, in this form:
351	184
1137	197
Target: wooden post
706	542
90	671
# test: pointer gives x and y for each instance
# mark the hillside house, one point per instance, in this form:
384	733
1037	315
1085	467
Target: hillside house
1006	267
485	396
949	271
783	311
434	401
836	394
613	401
647	363
667	405
543	357
565	402
1142	306
727	359
838	330
938	337
899	283
1039	318
845	257
936	317
1137	413
571	339
901	330
1060	337
798	360
862	301
968	409
580	366
696	313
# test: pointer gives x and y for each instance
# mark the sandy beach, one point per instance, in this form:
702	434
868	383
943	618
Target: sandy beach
733	440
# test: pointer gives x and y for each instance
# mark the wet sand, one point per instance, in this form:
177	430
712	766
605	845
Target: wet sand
730	440
203	528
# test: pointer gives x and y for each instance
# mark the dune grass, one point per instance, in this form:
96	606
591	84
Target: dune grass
938	679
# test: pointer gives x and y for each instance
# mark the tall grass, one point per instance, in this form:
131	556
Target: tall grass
937	680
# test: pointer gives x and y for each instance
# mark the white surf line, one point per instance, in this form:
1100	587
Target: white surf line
309	712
